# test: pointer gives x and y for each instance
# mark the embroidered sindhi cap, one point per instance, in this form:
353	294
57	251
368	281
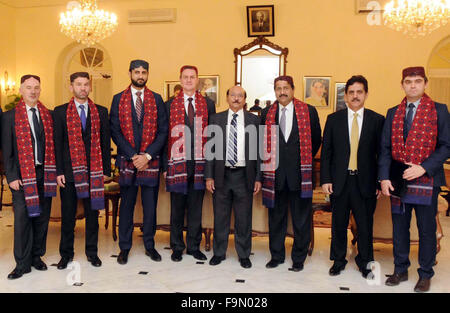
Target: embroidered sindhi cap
414	71
138	63
287	79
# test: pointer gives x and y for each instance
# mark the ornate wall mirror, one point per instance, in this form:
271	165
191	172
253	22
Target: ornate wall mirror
257	65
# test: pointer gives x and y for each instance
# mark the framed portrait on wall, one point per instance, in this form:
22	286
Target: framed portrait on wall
260	21
171	89
316	91
209	87
368	6
339	102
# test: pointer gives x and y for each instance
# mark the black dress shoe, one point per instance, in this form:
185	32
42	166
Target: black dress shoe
396	279
95	261
273	263
336	269
177	256
423	285
297	267
63	263
123	257
245	263
365	272
153	254
17	273
197	255
215	260
39	264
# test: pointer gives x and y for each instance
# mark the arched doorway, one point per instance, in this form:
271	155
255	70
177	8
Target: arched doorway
94	60
439	72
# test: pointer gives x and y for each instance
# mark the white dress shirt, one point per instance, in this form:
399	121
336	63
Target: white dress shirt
134	95
30	120
289	118
240	136
359	118
186	102
86	108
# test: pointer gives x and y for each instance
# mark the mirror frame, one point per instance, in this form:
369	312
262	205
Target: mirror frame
259	43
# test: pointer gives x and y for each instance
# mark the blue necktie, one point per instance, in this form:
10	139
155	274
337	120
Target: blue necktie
232	142
408	121
83	117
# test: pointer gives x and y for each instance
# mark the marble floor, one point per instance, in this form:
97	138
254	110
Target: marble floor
143	275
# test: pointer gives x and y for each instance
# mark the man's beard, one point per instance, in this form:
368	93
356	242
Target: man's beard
137	84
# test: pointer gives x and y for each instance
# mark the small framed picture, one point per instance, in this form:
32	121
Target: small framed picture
339	102
370	6
209	87
316	91
171	89
260	21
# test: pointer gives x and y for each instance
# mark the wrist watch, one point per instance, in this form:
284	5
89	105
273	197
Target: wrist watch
148	156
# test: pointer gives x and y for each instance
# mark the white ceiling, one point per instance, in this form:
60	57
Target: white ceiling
39	3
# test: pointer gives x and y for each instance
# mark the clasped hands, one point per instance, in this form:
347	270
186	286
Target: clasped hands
414	171
140	161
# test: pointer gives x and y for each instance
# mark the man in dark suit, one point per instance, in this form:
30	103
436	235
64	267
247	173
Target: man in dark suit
139	129
287	177
83	161
414	146
348	172
29	162
256	107
233	176
187	187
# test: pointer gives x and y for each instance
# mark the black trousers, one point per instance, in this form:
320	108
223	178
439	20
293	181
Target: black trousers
301	211
426	224
192	203
30	233
233	195
362	208
69	202
149	197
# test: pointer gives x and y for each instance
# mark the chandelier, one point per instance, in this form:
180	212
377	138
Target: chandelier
86	24
416	17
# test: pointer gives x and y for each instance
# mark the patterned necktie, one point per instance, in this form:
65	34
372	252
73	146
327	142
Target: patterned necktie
283	122
408	121
354	142
38	139
83	117
232	142
191	112
139	105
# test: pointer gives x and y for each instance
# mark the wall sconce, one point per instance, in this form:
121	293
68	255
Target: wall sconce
7	84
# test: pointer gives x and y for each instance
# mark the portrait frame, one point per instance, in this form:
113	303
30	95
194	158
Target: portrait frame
169	86
339	102
212	91
308	81
369	6
268	23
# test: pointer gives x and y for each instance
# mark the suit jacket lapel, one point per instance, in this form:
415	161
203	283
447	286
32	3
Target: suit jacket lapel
346	135
364	128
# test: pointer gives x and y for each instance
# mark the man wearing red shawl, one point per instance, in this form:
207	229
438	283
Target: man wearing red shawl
184	165
287	170
139	129
29	161
83	162
414	146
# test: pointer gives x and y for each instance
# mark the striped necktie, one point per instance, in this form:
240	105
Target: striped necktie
139	105
232	142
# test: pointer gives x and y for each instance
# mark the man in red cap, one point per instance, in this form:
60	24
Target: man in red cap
289	183
184	166
414	146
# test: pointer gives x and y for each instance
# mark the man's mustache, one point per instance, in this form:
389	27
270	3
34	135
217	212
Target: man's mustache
283	96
